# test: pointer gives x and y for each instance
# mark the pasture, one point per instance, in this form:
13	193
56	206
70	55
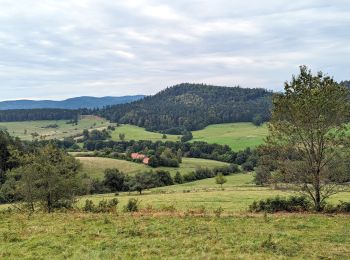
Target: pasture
133	132
239	192
236	135
166	228
95	166
50	129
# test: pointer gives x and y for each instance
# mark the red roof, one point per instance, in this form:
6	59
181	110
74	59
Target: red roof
145	160
139	156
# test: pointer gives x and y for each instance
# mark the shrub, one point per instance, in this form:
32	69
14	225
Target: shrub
343	207
102	207
178	178
248	166
188	177
89	206
291	204
132	205
164	178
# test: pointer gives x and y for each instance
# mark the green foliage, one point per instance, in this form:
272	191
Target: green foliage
102	207
187	136
276	204
308	130
47	176
342	207
262	175
115	180
220	179
122	136
37	114
132	205
178	178
257	120
192	106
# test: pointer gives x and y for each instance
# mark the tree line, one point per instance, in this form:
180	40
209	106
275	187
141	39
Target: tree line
38	114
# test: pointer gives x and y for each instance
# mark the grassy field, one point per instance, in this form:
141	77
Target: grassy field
25	129
239	192
111	236
138	133
236	135
154	234
95	166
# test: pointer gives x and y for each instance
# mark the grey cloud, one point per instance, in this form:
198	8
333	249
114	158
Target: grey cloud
58	49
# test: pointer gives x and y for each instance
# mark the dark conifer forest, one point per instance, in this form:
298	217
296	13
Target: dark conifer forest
191	107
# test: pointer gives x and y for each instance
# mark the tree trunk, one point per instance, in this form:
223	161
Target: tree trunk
49	203
318	200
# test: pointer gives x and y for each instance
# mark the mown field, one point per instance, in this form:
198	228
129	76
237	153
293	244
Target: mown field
95	166
24	130
138	133
178	222
236	135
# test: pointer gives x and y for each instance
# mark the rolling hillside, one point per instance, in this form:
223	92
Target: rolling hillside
51	129
236	135
95	166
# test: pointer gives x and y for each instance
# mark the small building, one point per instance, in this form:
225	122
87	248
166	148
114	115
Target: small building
140	157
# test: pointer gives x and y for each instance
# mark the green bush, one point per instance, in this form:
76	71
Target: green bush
291	204
132	205
343	207
102	207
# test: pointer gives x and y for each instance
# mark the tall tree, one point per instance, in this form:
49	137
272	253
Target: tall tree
308	126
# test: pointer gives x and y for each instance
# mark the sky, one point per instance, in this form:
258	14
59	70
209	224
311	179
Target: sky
56	49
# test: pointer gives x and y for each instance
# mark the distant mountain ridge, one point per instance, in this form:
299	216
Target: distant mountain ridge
71	103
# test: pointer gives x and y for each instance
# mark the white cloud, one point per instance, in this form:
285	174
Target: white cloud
67	48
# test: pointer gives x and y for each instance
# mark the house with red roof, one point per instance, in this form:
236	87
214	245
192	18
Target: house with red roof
141	157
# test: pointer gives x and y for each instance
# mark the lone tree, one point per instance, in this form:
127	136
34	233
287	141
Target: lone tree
220	179
308	128
48	177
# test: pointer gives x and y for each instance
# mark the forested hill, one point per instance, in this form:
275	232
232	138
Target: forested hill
192	106
71	103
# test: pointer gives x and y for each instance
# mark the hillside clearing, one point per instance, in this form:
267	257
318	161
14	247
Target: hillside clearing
138	133
236	135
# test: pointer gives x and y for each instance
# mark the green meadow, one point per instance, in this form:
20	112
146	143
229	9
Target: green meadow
179	222
138	133
239	192
44	129
236	135
95	166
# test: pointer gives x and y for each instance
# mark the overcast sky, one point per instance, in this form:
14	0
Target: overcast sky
63	48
